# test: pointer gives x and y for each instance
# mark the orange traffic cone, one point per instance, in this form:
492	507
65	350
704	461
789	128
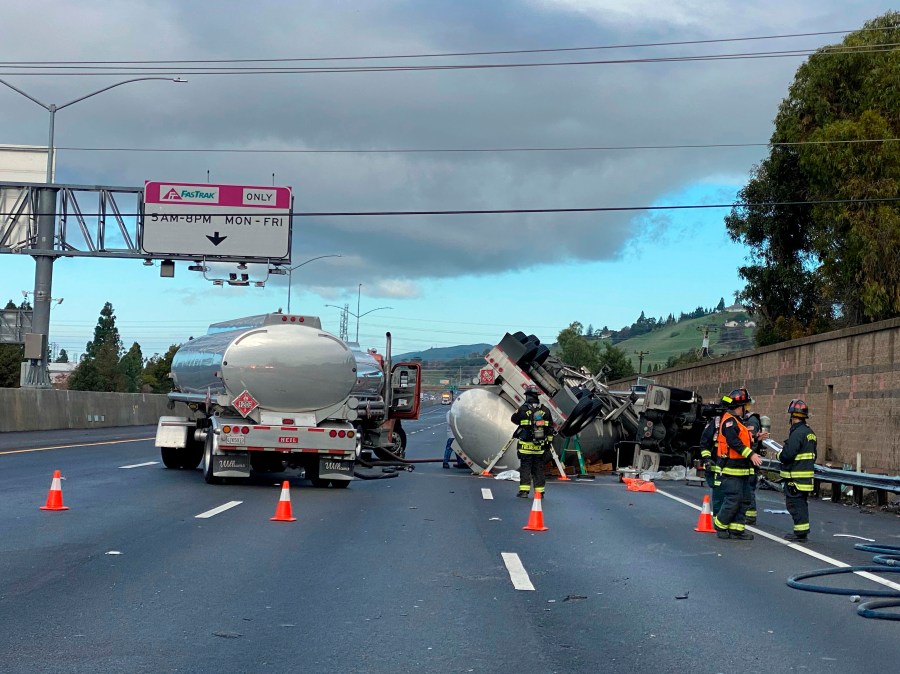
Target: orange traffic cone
54	498
704	522
283	511
536	518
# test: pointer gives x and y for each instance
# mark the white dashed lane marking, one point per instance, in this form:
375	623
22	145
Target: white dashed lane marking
141	465
215	511
517	573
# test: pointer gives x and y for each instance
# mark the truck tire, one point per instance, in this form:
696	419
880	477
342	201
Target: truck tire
192	455
400	440
340	484
171	457
208	461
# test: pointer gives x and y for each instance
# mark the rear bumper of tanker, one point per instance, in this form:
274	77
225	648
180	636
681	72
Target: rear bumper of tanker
236	448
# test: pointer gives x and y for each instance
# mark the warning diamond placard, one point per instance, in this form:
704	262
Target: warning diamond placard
245	403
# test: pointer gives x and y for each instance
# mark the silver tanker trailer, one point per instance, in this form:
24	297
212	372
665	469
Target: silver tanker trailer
275	391
668	423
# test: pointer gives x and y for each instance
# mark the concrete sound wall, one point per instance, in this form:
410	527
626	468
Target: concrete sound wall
49	409
850	379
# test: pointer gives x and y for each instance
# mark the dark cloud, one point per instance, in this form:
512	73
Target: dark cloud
641	104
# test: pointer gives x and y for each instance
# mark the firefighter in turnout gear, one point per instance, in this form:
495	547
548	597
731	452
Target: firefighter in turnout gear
535	434
754	424
737	459
798	460
711	470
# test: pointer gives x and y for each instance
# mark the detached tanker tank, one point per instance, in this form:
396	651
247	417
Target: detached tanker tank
580	404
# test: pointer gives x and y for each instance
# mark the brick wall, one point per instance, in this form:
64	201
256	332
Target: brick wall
849	378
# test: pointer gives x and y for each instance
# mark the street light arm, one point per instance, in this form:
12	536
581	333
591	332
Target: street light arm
311	260
371	310
100	91
28	96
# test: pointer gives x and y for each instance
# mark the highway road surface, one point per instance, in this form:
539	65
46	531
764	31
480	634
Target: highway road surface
152	570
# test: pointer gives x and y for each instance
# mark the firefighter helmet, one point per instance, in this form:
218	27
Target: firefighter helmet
532	392
736	398
798	408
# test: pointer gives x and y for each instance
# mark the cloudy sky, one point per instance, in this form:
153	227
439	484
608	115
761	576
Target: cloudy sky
448	279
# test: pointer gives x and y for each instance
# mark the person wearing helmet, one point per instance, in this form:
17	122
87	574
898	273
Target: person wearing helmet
712	472
736	458
753	422
798	462
534	431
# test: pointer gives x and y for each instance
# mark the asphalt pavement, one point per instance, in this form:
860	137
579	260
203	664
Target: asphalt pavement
415	573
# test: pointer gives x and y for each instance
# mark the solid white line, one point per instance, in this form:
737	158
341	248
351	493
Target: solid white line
141	465
796	546
517	573
215	511
487	495
83	444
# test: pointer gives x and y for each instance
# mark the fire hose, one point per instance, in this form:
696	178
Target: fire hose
887	556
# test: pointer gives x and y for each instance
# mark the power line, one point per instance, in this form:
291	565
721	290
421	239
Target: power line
238	70
446	54
586	148
500	211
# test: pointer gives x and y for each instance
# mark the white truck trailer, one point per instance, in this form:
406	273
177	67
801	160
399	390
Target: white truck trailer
275	391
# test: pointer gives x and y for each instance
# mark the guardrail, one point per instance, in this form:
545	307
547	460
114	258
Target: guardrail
880	484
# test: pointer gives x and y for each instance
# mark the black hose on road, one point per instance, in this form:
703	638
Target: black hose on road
889	555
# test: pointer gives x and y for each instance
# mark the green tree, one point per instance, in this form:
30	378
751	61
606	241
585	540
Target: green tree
99	370
817	265
11	357
155	376
721	305
575	350
63	356
614	358
131	369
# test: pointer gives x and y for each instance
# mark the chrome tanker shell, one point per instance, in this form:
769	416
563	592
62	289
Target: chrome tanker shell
479	420
286	368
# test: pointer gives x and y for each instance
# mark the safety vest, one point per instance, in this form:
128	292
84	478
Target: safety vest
798	458
732	461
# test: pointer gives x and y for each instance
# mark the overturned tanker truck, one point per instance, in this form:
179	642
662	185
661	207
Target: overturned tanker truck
610	427
275	391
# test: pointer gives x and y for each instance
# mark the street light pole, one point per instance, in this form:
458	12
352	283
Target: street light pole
43	254
357	316
53	108
358	293
291	275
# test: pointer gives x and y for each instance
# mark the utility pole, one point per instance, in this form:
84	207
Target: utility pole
640	355
345	317
706	329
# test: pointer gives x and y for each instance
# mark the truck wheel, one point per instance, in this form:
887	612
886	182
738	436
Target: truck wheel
171	457
208	461
192	455
340	484
399	440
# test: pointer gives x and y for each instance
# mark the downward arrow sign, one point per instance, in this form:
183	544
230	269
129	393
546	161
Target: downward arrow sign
216	240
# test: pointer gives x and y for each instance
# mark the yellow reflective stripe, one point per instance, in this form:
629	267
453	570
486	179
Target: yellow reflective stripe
705	453
801	527
525	422
746	451
809	456
738	472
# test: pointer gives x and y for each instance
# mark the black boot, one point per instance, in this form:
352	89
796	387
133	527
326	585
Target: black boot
793	536
741	535
446	465
723	534
522	494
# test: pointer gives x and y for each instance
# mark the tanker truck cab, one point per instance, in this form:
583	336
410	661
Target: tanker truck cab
272	392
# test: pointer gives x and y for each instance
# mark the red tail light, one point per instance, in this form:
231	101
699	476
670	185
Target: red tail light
245	429
342	434
332	434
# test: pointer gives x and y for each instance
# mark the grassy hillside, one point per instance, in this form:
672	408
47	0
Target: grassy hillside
444	353
687	335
